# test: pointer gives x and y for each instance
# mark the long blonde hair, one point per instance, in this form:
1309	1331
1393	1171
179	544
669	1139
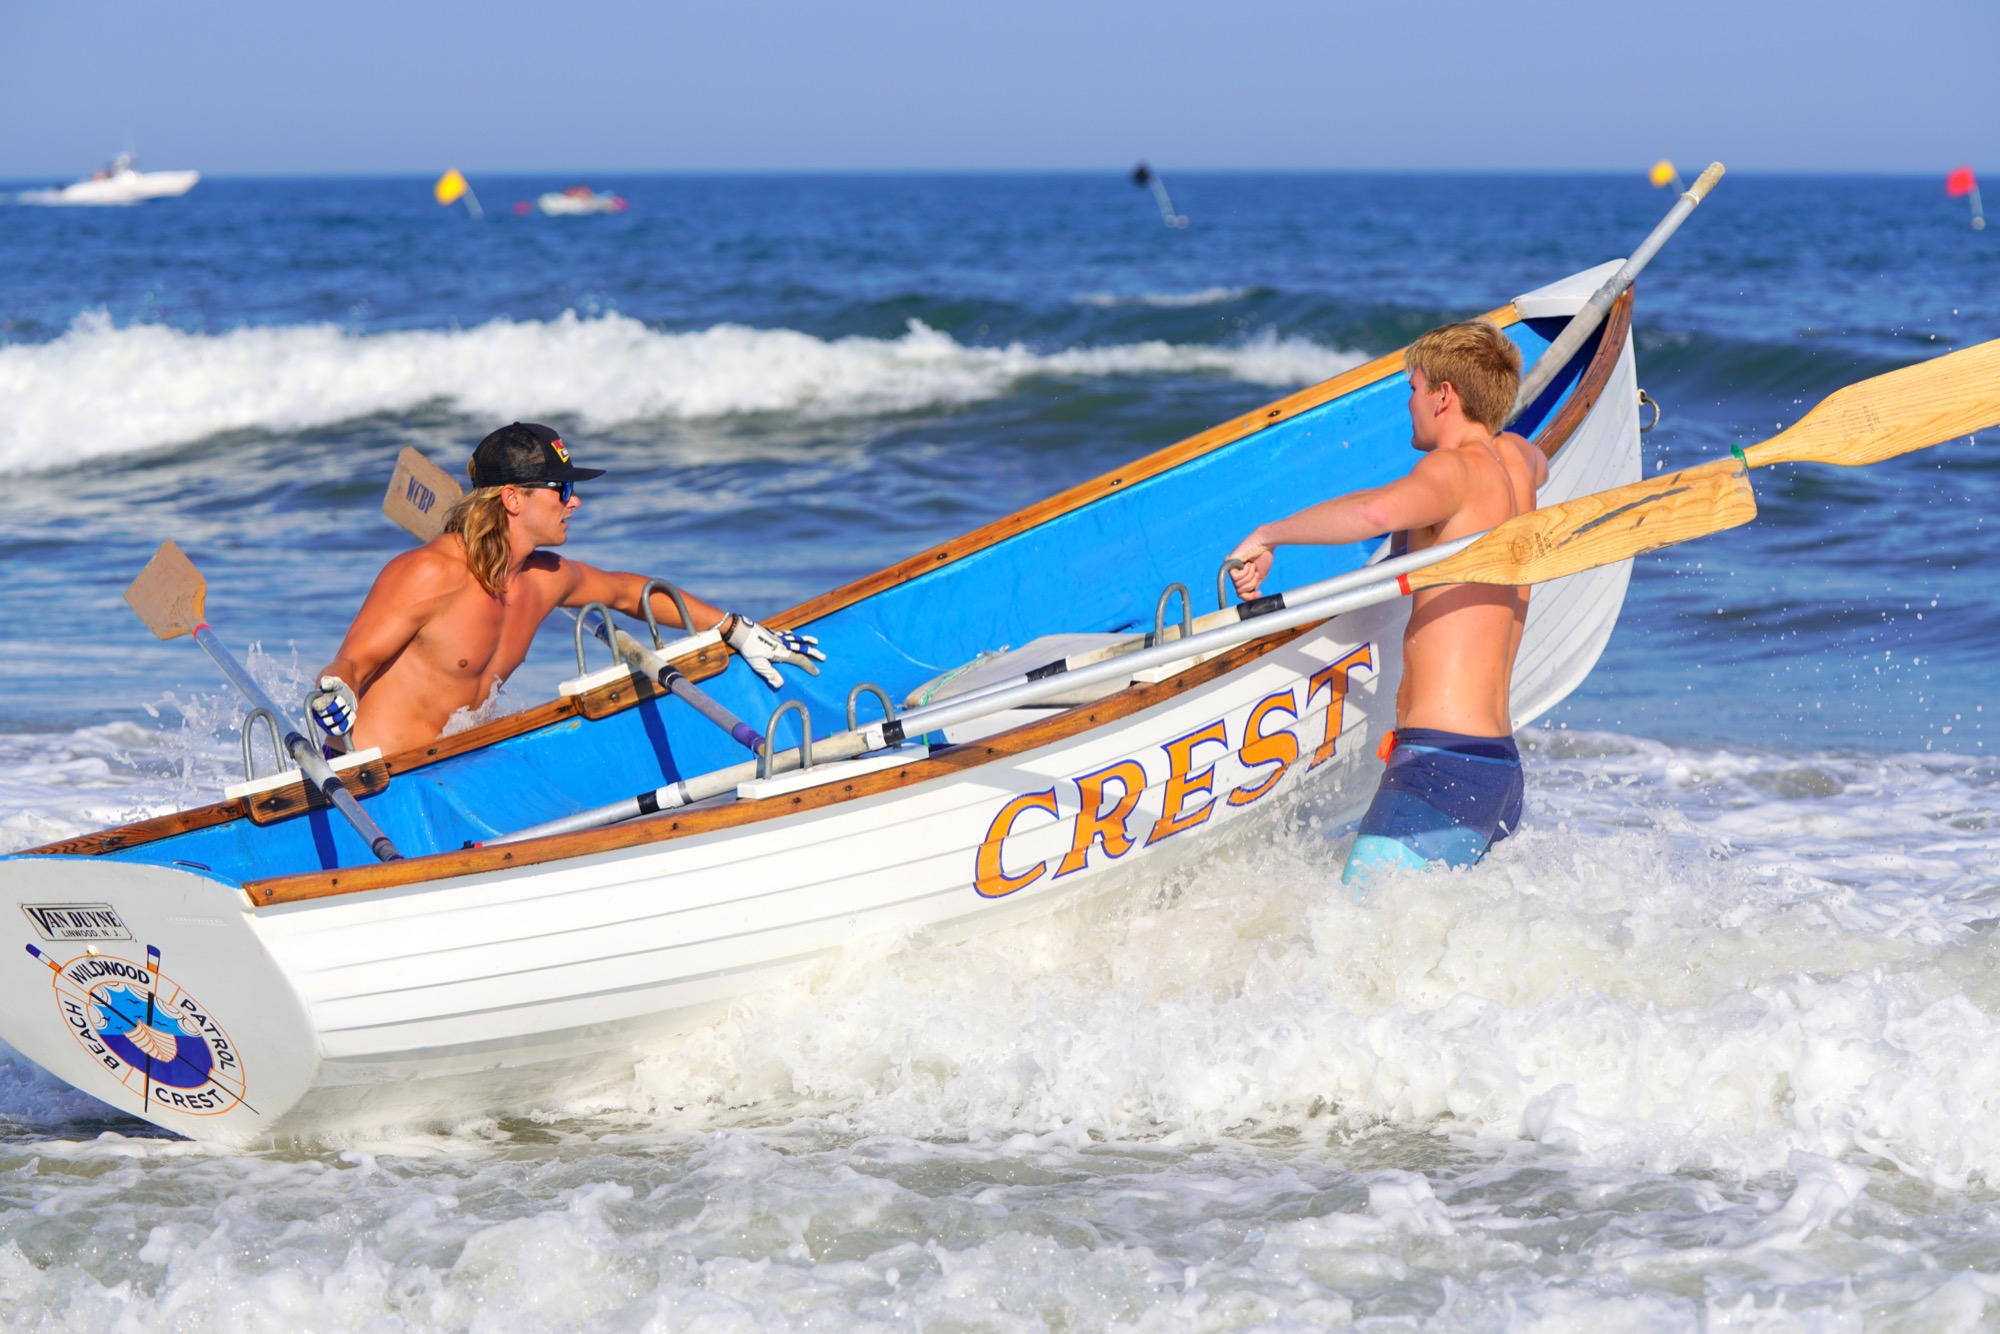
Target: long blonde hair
480	521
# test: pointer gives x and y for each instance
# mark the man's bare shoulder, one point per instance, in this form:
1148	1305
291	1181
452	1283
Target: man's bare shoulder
1532	458
546	569
1447	470
551	576
435	569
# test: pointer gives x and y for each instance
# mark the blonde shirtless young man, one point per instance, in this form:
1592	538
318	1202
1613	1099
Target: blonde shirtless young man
1453	783
445	624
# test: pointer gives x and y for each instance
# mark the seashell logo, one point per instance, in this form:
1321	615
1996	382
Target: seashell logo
147	1033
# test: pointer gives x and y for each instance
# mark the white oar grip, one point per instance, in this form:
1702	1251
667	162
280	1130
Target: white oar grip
1704	183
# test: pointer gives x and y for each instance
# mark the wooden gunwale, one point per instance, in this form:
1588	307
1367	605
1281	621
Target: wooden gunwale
276	890
599	703
1590	387
663	828
711	662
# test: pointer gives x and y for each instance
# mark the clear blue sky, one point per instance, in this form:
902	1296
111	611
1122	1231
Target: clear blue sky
232	87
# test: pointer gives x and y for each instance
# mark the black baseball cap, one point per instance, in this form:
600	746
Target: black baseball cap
525	452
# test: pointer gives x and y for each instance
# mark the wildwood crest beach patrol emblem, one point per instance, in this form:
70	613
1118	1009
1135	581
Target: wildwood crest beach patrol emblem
147	1033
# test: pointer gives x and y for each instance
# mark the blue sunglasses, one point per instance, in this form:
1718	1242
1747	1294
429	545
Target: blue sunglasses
563	490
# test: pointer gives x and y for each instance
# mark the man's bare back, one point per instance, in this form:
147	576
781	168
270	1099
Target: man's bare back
1452	784
1459	646
1458	652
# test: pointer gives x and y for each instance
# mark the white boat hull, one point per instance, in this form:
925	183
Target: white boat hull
124	187
558	204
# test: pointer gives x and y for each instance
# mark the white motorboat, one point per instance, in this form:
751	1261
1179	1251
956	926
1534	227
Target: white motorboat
248	969
120	183
579	199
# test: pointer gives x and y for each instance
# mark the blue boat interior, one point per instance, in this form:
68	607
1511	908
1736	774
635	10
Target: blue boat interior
1098	568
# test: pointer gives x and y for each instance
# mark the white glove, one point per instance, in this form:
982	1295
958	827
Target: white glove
761	648
333	706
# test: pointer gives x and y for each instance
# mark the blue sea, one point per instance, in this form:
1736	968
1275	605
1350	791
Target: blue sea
1714	1043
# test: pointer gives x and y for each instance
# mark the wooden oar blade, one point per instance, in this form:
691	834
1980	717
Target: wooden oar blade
1595	530
1886	415
420	495
169	593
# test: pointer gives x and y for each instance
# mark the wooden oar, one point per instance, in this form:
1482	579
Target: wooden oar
421	494
1876	419
1865	422
169	596
1895	413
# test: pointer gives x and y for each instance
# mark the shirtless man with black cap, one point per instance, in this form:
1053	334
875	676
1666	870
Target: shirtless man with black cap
445	624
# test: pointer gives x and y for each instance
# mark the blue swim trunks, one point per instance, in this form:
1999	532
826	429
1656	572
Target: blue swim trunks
1444	797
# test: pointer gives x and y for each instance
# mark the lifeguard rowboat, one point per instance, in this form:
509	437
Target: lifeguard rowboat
247	969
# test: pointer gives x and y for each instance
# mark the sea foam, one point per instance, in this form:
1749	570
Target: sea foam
1632	982
1704	1018
1689	960
101	390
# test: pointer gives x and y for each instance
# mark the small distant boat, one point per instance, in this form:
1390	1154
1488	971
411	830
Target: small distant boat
119	183
577	199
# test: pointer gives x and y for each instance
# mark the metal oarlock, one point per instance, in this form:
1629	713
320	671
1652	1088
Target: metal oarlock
1222	581
854	700
610	634
771	730
277	744
652	621
1160	613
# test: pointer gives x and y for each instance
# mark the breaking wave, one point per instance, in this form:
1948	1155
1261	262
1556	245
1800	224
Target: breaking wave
102	390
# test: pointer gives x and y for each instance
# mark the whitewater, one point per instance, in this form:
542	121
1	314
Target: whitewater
101	389
1710	1044
1744	1073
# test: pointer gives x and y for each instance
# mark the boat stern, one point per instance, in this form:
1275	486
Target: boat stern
147	988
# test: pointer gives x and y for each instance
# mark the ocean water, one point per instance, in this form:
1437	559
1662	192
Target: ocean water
1715	1042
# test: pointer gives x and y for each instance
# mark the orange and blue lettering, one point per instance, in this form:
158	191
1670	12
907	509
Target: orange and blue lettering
1095	825
1335	677
1280	747
991	878
1182	782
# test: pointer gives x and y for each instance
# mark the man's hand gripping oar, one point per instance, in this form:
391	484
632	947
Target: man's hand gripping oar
169	596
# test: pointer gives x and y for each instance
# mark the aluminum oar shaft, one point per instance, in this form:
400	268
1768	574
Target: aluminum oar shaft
312	765
1584	323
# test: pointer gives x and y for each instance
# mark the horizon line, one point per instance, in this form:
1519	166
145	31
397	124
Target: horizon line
11	174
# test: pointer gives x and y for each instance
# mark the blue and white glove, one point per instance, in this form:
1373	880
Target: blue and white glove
333	706
761	648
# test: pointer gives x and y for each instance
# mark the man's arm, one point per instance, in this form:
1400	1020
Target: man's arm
756	645
619	591
1433	491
